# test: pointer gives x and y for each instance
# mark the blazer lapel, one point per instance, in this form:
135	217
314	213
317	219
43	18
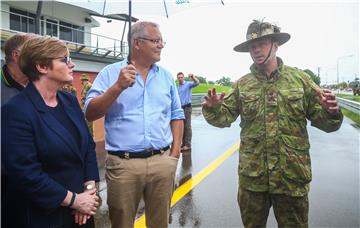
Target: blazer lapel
50	120
77	118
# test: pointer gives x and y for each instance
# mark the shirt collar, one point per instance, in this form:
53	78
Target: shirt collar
274	76
9	80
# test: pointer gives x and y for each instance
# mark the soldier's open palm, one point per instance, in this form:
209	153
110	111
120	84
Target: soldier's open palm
212	99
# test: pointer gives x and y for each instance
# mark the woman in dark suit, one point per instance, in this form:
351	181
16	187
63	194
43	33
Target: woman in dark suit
47	150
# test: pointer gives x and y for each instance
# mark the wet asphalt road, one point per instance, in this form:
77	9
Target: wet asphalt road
334	191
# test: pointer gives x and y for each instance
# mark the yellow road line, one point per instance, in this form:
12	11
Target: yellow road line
181	191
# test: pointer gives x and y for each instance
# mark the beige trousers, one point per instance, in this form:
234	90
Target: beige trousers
130	179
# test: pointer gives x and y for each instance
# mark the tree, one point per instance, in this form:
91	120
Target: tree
225	81
201	79
313	76
354	84
211	82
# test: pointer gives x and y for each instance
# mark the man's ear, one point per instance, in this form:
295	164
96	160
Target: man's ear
276	45
15	56
136	43
41	68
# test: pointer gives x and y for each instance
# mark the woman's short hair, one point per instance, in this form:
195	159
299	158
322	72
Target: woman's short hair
40	50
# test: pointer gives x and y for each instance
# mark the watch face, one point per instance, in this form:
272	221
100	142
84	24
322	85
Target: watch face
90	186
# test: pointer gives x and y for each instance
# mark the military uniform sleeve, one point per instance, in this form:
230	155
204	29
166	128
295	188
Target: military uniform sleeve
318	116
226	113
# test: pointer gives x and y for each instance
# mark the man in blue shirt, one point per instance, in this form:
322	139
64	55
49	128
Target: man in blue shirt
143	117
185	94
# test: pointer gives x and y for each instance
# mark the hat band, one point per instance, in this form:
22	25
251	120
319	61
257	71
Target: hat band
255	35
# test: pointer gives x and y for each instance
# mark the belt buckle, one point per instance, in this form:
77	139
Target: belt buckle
151	151
162	150
127	155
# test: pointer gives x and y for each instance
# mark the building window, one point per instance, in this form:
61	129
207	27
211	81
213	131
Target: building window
71	32
22	21
25	22
78	34
51	27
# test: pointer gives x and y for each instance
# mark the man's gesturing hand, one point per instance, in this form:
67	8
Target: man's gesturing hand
328	100
212	99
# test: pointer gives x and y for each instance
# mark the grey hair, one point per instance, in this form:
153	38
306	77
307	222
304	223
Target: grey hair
138	30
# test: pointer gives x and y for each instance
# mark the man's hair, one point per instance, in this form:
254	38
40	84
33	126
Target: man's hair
138	30
40	50
180	73
14	43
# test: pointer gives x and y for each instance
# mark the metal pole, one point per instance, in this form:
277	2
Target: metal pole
38	16
122	38
337	68
337	76
129	34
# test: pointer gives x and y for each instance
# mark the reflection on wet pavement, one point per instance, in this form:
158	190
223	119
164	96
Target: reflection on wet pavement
188	215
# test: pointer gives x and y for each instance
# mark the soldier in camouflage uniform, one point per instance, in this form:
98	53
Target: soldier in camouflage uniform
68	87
86	87
274	102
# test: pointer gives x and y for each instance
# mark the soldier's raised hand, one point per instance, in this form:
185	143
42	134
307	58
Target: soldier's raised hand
212	99
328	100
127	76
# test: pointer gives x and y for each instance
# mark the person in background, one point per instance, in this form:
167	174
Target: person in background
86	85
12	82
68	87
12	79
46	147
144	125
274	102
185	93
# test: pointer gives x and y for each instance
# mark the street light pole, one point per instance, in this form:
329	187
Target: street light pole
337	69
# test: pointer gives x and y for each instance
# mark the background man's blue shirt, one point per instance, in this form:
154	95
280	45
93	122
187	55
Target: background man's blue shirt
140	117
185	92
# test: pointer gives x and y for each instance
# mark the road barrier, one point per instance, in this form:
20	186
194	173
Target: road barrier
197	99
352	106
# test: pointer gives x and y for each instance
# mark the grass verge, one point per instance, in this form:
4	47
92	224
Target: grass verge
353	116
349	97
203	88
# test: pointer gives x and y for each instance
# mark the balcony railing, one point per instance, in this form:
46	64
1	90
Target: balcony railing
94	44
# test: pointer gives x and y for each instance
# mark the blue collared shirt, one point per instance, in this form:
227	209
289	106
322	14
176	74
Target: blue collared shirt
140	117
185	92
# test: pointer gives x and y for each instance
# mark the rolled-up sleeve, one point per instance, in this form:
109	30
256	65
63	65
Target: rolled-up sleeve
99	86
177	113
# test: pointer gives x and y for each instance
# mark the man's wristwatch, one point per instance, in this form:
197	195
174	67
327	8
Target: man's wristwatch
90	187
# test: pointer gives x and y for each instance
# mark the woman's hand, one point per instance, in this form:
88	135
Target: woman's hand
86	202
80	218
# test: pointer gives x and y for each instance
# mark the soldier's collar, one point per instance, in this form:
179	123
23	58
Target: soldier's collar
274	76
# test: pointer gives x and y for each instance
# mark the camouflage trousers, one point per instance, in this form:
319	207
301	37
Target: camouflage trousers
90	126
289	211
186	140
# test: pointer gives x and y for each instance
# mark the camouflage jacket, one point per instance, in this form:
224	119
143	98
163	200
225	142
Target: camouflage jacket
274	149
84	91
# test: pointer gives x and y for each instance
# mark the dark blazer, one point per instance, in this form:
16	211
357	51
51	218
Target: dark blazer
43	160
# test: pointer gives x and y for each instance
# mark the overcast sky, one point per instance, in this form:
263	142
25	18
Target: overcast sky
200	40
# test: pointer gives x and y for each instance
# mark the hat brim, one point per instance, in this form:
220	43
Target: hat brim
281	38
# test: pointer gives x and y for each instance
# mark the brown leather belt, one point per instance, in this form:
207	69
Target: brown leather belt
142	154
